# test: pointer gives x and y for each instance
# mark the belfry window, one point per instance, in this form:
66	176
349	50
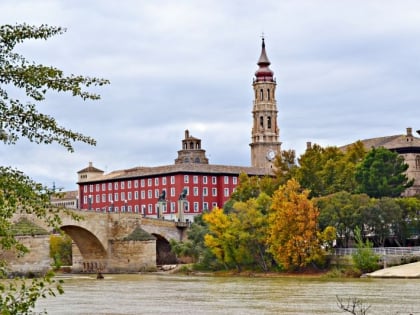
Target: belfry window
262	122
261	94
268	96
269	122
191	145
418	161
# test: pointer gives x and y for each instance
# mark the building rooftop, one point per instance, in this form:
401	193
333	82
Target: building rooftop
143	171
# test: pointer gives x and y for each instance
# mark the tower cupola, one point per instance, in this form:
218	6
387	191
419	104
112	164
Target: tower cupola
264	73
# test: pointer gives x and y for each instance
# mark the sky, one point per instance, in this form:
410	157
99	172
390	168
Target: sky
346	70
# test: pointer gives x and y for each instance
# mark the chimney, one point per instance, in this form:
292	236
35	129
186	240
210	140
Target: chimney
187	134
308	145
409	132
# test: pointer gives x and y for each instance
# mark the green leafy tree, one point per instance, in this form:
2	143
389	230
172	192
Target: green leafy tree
195	247
60	250
250	187
382	174
329	170
409	225
382	219
364	258
19	118
251	221
343	211
285	166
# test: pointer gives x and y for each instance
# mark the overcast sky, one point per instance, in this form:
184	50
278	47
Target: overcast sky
346	70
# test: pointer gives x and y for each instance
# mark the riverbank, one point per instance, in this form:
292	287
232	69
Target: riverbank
403	271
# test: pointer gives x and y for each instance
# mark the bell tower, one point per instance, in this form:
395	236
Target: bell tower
265	143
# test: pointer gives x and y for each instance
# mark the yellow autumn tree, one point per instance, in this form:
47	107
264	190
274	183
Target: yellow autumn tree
292	237
236	238
221	240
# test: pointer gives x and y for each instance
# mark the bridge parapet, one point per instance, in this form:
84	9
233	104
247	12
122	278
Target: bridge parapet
388	251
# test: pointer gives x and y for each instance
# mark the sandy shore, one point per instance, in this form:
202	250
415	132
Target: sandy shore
403	271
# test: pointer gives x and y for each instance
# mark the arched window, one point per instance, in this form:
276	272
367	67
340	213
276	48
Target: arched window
191	145
261	94
261	121
417	161
268	94
269	122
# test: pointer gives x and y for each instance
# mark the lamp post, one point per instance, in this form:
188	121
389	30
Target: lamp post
161	205
90	202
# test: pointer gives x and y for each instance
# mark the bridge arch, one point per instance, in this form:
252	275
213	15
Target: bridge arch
89	245
164	256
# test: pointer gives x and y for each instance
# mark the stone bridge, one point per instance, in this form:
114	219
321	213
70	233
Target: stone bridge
109	242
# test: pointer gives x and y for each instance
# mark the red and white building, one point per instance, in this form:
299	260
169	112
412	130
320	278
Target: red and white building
139	189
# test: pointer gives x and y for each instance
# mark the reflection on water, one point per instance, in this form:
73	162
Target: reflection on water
178	294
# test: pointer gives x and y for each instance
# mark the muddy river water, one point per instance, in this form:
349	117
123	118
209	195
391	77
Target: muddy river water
181	294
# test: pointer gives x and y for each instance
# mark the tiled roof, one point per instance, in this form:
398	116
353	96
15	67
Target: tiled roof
391	142
180	168
90	169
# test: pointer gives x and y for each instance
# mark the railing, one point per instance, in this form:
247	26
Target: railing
389	251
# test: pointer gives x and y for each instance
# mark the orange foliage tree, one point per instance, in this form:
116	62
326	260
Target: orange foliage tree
292	237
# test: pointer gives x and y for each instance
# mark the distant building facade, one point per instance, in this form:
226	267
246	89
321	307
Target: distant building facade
191	183
67	199
156	191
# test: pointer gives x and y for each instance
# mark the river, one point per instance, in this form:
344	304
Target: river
181	294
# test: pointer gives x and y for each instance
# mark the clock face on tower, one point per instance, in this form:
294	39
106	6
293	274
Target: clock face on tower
271	155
